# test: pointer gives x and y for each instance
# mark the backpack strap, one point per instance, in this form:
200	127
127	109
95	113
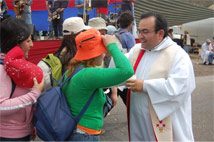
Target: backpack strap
78	117
117	34
62	81
77	69
13	83
51	76
1	62
13	88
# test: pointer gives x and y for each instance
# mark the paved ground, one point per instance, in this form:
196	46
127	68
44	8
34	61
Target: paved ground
116	124
199	68
203	109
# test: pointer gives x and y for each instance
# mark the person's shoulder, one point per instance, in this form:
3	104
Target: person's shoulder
180	52
128	35
137	46
177	47
43	66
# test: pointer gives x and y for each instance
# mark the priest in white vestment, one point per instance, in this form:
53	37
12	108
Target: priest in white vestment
159	107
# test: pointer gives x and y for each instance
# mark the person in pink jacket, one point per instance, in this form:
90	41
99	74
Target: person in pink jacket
16	109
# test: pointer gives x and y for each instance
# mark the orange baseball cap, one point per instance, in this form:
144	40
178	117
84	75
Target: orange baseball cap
89	45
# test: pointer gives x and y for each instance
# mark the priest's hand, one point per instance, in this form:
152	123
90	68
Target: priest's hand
136	85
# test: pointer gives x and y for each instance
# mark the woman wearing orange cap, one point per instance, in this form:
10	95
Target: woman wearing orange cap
91	49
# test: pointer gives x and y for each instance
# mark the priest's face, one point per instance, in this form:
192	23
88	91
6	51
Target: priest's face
149	37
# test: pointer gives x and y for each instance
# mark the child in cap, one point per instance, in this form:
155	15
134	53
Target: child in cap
91	49
71	27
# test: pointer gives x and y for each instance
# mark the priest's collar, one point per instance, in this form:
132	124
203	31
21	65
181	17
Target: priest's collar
166	42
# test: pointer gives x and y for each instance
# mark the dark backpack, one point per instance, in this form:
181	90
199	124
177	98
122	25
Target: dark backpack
1	62
53	119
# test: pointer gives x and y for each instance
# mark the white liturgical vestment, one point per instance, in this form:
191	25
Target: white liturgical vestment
170	96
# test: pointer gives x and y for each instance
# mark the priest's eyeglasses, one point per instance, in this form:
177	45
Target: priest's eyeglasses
144	31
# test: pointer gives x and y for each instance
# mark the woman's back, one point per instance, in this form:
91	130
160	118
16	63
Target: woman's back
16	111
82	85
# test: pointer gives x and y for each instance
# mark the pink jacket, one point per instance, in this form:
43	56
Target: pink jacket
15	112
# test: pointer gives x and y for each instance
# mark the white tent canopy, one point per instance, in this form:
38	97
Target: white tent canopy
176	12
200	30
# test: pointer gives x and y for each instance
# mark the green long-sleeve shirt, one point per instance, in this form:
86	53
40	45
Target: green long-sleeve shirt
82	85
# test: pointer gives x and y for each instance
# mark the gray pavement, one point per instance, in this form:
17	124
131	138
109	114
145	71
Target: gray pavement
203	109
115	124
202	112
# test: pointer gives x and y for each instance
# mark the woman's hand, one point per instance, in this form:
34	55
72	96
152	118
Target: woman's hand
38	86
107	39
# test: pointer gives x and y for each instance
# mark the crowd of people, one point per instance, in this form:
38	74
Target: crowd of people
156	73
22	10
3	9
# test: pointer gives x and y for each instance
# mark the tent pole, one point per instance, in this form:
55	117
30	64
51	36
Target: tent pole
84	11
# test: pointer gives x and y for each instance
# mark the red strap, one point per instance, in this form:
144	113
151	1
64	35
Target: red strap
138	59
128	110
140	55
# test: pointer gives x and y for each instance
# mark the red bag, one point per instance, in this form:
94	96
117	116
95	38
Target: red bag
20	70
